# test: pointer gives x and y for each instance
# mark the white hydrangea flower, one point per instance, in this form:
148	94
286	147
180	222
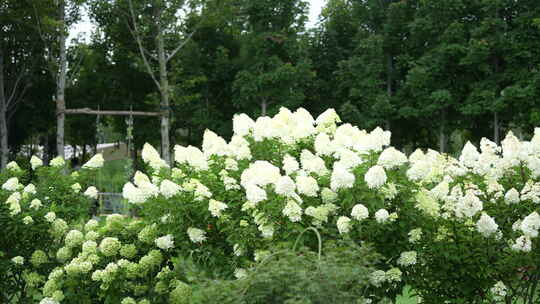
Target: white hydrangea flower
151	157
359	212
48	301
377	278
469	155
264	128
312	163
74	238
375	177
231	164
441	190
27	220
381	216
14	208
169	189
530	225
255	194
341	178
393	275
348	159
91	192
292	211
427	203
12	184
391	158
419	169
415	235
216	207
76	187
13	166
50	217
285	186
57	162
328	196
109	246
19	260
344	224
523	243
267	231
372	142
512	196
486	225
242	124
165	242
307	185
468	205
260	173
35	162
237	250
323	145
240	273
196	235
326	122
35	204
133	194
499	290
407	258
14	197
290	165
239	148
95	162
214	144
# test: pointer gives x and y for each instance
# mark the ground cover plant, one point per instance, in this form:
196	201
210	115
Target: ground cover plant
454	230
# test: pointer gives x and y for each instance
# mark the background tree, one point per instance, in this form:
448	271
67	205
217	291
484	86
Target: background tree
275	67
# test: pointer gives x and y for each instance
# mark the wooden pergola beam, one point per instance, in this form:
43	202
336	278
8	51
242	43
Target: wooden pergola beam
102	112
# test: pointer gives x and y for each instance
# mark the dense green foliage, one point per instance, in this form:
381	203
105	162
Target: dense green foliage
340	275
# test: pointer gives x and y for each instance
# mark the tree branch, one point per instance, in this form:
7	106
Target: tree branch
75	69
105	112
180	46
16	86
136	35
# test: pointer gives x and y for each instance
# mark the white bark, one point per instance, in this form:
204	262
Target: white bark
164	91
4	149
61	82
442	133
264	105
496	128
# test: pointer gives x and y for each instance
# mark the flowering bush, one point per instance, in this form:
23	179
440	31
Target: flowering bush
457	230
36	210
121	261
454	229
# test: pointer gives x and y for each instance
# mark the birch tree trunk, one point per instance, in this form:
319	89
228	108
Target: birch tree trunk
61	83
389	85
264	105
4	149
442	132
496	128
164	91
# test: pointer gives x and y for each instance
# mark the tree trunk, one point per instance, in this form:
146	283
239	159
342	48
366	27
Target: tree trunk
164	91
389	84
4	149
264	105
442	132
61	83
496	128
